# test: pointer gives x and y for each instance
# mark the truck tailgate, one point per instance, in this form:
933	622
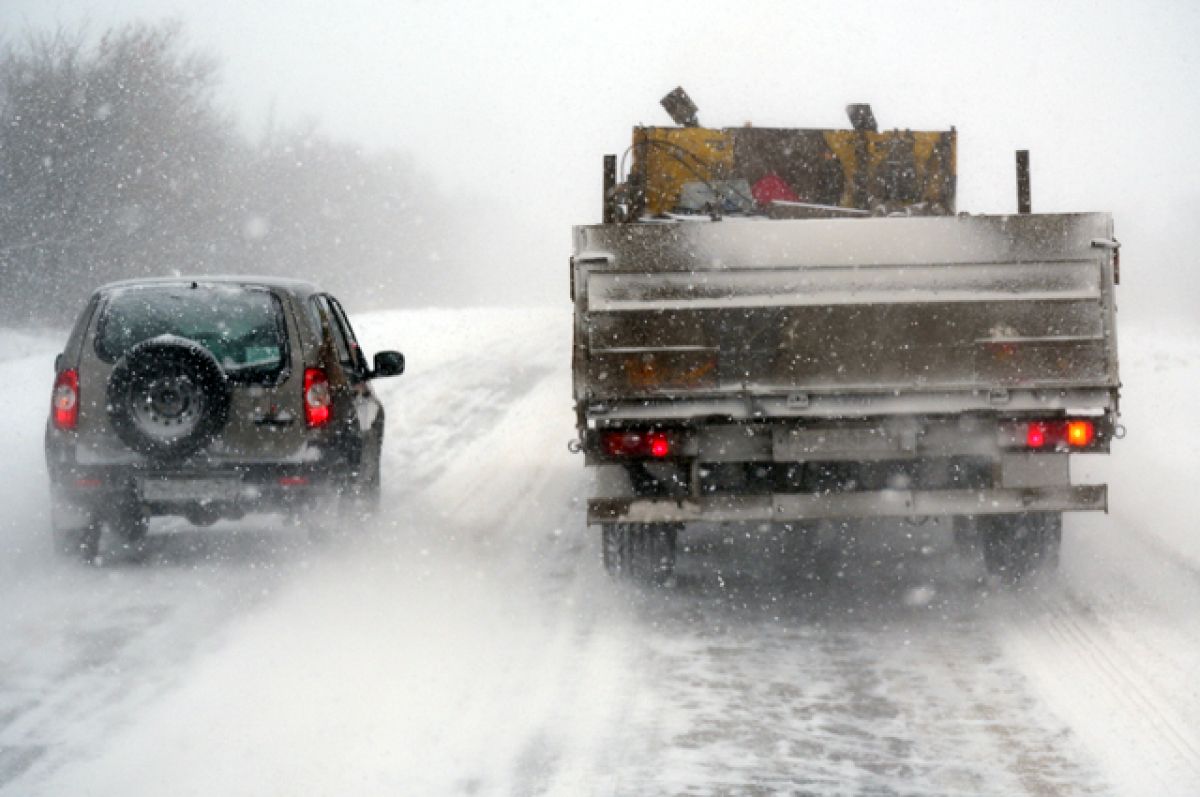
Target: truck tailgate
882	304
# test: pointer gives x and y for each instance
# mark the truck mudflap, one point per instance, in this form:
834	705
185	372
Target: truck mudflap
884	503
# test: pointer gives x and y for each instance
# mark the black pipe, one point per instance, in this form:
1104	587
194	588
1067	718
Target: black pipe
610	189
1024	195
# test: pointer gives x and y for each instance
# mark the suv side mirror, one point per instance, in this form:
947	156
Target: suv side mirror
388	363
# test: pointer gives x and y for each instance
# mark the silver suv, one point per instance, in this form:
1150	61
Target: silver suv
209	398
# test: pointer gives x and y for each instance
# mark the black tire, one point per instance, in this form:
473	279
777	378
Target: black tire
130	525
368	486
167	398
640	552
332	515
1015	546
798	549
966	534
82	544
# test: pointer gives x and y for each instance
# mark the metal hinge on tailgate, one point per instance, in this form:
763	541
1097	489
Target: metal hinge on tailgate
1113	245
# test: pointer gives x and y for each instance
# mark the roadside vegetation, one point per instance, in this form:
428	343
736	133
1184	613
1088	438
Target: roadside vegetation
118	160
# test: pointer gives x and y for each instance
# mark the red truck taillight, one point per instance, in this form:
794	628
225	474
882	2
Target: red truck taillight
64	401
318	401
636	444
1077	433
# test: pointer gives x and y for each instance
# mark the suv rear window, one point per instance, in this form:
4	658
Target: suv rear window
242	327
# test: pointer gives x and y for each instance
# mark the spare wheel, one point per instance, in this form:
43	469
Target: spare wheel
168	397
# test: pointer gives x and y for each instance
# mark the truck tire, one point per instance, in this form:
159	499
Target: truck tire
167	398
640	552
1015	546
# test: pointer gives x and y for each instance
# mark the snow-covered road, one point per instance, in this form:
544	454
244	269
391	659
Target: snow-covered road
469	643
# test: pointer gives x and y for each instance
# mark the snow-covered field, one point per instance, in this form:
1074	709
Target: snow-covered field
468	642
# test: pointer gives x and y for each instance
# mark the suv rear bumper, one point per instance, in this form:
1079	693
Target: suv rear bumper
83	493
784	507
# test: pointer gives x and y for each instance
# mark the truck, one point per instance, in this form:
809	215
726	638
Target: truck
796	328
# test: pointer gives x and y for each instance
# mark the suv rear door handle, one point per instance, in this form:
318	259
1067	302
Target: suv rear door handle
274	422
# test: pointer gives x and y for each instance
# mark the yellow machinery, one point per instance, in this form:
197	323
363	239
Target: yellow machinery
790	173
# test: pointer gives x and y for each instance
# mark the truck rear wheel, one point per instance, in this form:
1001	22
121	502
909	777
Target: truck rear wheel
641	552
1015	546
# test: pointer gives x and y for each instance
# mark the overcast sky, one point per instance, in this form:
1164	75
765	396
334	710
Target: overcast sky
517	101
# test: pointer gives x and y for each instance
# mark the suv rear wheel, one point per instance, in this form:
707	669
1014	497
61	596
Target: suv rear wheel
78	543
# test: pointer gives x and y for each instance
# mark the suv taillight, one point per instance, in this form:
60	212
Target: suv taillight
318	401
64	401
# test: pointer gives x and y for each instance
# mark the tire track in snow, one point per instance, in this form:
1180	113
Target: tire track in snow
1113	646
528	522
745	717
765	687
1114	678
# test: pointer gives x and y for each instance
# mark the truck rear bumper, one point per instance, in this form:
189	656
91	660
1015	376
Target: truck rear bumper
885	503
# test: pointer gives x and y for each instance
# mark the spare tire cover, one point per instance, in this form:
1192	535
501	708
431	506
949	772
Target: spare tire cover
168	397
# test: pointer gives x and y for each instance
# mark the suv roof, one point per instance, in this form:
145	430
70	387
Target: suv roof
299	287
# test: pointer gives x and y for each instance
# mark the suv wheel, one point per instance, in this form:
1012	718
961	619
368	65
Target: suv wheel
130	524
368	486
83	544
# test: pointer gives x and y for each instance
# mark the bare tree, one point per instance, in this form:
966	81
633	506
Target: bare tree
116	162
105	159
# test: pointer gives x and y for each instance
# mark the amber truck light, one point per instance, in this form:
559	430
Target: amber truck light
64	401
636	444
1080	433
318	403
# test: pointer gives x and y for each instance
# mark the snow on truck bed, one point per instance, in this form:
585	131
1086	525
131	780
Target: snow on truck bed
467	642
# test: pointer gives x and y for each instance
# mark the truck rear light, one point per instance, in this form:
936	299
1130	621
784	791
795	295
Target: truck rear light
318	401
293	481
660	446
64	401
1035	435
1078	433
636	444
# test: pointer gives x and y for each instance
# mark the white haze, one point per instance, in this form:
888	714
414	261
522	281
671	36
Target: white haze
509	106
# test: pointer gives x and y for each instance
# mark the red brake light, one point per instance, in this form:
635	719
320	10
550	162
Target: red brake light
658	444
1035	435
318	401
636	444
64	401
621	444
